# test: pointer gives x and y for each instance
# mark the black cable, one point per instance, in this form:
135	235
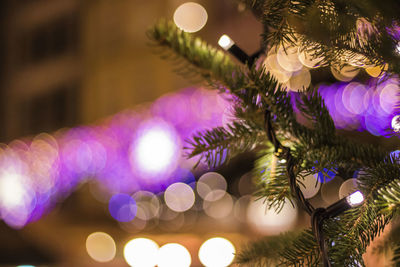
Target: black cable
281	151
317	219
317	215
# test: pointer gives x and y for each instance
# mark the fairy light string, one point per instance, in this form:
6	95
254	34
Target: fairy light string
284	153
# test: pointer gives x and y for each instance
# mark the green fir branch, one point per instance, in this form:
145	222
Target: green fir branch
206	61
329	30
271	179
287	249
388	197
220	144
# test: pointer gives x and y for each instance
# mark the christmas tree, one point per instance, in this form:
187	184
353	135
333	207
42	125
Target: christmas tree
294	135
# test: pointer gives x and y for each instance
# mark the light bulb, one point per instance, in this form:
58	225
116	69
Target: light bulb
396	123
225	42
229	45
355	199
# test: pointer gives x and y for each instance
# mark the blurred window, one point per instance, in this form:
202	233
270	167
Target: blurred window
50	40
51	111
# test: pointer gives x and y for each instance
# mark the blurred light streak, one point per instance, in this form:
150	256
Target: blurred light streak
134	150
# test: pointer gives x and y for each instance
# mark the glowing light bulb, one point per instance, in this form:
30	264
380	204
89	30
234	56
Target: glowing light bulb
396	123
225	42
355	199
217	252
141	252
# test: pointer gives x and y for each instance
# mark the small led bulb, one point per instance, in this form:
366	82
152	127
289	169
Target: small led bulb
396	123
225	42
355	199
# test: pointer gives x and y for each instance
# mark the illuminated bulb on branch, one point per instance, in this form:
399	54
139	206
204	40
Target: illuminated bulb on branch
396	123
225	42
353	200
228	45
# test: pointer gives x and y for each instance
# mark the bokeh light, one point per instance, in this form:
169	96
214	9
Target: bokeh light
271	65
268	221
348	187
179	197
17	199
288	58
148	205
220	208
141	252
299	80
310	185
122	207
211	186
344	73
190	17
240	208
396	123
217	252
173	255
101	247
376	71
155	149
329	190
308	58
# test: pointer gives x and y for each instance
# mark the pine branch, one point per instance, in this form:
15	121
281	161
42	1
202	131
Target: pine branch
391	244
388	197
396	255
255	6
312	106
272	182
338	31
315	147
206	61
284	250
220	144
